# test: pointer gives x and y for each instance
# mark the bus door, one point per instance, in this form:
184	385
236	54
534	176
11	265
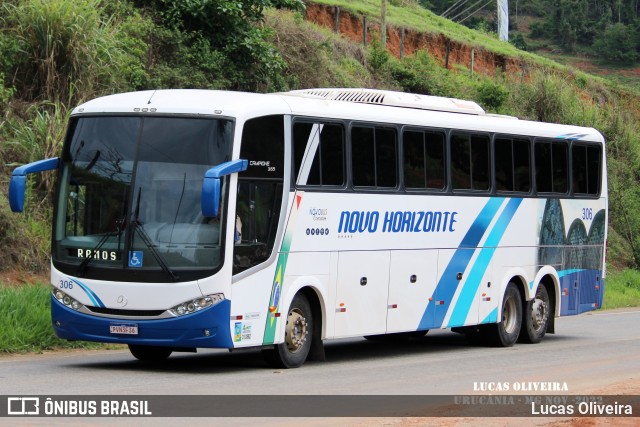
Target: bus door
362	291
412	283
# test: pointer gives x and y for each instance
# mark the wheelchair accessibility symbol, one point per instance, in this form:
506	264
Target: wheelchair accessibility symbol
135	259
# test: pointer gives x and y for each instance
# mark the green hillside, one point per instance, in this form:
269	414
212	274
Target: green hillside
56	53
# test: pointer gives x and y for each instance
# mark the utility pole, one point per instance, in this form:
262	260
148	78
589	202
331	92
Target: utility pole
383	23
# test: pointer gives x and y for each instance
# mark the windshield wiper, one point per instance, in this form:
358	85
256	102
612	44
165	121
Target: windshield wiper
136	225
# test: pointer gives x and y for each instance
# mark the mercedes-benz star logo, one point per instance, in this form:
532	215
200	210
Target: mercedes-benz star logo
122	300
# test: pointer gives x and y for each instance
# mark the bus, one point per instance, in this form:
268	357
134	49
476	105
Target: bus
189	219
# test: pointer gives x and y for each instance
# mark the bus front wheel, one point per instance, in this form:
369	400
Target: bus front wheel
297	339
536	317
505	333
148	353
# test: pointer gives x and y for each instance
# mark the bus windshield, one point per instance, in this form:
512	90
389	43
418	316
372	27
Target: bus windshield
130	192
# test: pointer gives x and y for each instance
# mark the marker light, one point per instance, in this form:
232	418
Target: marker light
197	304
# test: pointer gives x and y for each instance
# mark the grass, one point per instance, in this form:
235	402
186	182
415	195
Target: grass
25	321
411	16
622	289
422	20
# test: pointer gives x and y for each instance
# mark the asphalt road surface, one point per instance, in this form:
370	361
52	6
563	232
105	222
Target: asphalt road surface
593	353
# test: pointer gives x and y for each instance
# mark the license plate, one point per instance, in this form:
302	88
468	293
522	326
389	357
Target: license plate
124	329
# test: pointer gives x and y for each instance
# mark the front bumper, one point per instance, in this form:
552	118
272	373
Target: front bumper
208	328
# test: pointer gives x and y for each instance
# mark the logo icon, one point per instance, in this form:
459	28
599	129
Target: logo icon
23	406
122	300
135	259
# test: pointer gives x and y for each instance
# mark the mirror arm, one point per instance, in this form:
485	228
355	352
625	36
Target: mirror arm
211	184
18	182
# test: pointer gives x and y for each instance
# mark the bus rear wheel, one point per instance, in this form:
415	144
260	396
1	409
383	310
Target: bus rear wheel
505	333
149	353
293	352
536	317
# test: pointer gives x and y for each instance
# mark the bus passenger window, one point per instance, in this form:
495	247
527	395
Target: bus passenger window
552	167
511	165
585	163
374	157
470	162
318	153
423	159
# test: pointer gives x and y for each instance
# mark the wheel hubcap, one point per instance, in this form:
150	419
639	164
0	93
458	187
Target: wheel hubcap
296	333
509	316
539	313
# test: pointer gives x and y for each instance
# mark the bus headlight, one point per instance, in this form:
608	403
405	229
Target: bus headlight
197	304
66	300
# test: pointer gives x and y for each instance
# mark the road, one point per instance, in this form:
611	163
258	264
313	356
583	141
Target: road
594	353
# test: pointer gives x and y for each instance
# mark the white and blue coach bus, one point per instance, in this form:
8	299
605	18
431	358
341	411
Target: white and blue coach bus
188	219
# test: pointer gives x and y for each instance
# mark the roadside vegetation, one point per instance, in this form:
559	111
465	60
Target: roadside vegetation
25	320
55	54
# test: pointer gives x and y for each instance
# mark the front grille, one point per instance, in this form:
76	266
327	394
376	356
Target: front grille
118	312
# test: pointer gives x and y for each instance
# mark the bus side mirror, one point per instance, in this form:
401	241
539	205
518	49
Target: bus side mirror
18	181
211	184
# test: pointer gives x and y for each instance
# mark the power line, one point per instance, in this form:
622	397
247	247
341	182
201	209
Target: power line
478	10
469	8
453	7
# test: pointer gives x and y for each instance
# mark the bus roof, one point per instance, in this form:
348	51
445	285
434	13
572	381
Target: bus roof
373	106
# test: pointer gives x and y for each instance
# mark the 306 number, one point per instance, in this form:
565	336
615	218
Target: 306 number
66	284
587	214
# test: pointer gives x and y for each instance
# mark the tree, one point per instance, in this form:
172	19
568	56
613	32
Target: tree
618	43
232	29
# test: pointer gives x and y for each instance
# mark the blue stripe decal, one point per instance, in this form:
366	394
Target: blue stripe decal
572	136
563	273
92	296
471	285
492	317
447	285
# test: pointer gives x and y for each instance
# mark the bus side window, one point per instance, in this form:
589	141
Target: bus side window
470	162
585	161
260	188
374	157
424	159
552	166
511	164
318	153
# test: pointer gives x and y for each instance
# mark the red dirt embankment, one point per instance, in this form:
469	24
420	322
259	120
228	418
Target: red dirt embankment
352	27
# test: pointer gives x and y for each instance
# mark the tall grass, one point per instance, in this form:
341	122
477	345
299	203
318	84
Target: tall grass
39	136
622	289
315	56
63	44
25	321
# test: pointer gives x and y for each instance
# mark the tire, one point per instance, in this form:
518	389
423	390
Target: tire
148	353
293	352
536	317
505	333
